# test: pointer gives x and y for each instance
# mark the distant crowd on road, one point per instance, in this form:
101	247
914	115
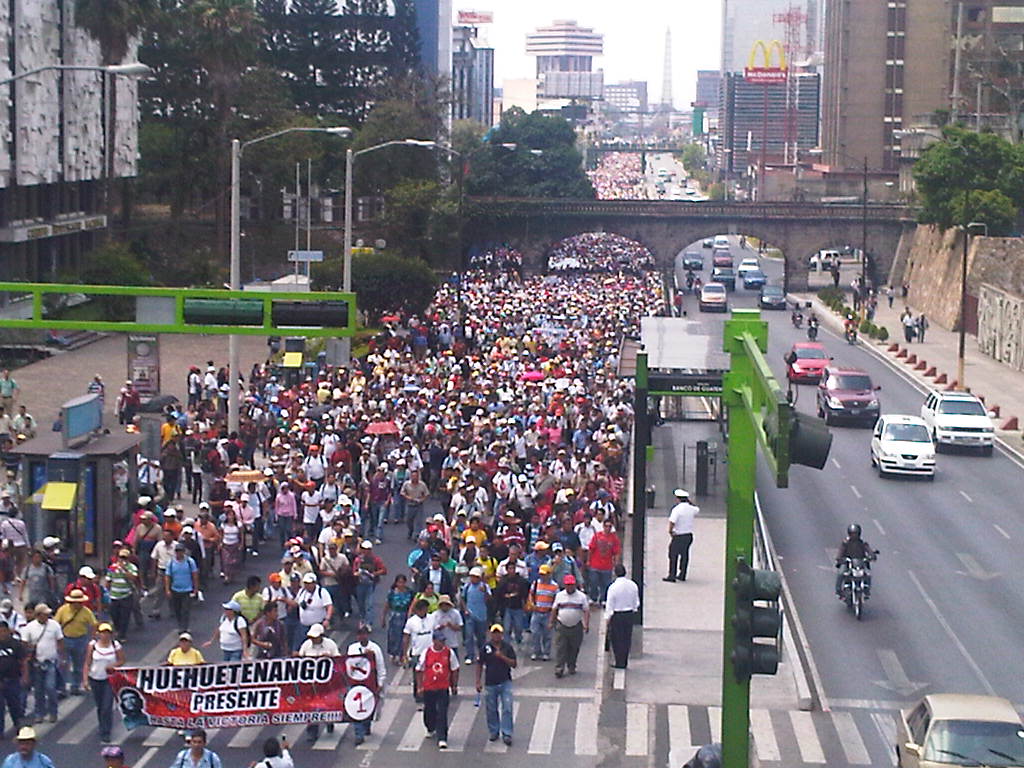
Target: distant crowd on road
600	252
619	176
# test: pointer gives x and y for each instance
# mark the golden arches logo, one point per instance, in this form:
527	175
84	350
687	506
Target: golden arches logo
767	73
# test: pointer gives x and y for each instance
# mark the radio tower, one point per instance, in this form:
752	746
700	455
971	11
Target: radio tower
793	21
666	75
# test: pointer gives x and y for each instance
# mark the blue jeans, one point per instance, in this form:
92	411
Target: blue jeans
475	632
103	697
598	582
44	682
232	655
364	599
541	633
76	646
374	519
398	509
515	623
496	696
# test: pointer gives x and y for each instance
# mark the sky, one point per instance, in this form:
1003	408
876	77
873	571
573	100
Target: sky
634	37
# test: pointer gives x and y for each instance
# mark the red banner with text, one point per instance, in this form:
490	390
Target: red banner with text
320	689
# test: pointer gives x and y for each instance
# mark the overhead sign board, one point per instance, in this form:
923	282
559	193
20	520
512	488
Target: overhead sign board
768	72
305	256
476	17
684	384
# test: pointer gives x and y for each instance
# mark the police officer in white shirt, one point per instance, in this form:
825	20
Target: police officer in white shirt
620	605
680	529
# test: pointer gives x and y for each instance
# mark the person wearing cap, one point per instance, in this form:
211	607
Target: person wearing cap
181	584
122	583
231	632
315	604
38	580
497	659
146	534
317	644
86	582
437	672
185	653
448	619
113	756
14	672
14	619
604	552
474	599
570	619
161	555
210	536
368	569
27	755
45	640
542	598
269	637
76	621
364	646
102	655
379	500
680	531
415	638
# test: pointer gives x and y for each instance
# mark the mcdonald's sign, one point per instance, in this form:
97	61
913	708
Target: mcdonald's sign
766	74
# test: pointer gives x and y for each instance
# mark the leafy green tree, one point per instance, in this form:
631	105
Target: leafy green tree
383	283
971	176
529	155
113	263
693	158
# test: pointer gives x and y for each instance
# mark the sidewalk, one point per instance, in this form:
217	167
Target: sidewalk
680	659
1001	387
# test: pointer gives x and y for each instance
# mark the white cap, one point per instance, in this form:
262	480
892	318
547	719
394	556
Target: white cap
87	571
476	570
317	630
309	578
680	493
50	541
366	544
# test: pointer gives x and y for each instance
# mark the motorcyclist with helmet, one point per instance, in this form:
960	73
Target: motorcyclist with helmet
854	547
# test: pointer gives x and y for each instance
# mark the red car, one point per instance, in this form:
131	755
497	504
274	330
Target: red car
806	361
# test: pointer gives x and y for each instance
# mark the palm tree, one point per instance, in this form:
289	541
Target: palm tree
113	24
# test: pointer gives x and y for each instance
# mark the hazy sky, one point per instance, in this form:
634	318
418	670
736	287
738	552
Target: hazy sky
634	37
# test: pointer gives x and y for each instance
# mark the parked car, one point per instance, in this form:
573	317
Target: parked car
754	278
805	361
958	418
901	445
950	729
726	276
772	297
847	394
713	298
693	260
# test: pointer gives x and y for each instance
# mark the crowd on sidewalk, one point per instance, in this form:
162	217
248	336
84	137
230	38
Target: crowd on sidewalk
510	417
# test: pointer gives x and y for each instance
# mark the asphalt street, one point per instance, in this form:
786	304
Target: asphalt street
947	601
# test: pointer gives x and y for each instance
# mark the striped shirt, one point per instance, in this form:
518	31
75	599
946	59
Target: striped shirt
544	596
121	577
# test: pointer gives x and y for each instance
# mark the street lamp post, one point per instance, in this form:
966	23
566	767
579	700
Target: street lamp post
236	267
135	69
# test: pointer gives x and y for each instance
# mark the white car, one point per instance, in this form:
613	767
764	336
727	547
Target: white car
748	265
902	445
721	241
958	418
713	298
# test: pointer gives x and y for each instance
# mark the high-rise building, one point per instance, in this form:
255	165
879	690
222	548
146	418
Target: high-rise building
565	54
56	143
745	22
630	96
749	113
666	72
709	82
472	77
434	25
885	64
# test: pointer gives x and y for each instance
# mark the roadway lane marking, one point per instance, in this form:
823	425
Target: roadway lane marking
330	741
849	737
974	568
160	736
885	724
142	761
619	680
715	719
499	745
461	725
766	746
383	724
1003	533
586	728
952	635
680	742
969	499
855	491
415	733
896	679
544	725
806	737
636	729
836	463
878	525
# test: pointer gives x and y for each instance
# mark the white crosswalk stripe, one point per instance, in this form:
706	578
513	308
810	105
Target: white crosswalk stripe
765	743
636	729
586	728
885	724
806	737
849	737
461	725
380	727
680	741
499	745
414	736
544	725
329	741
715	719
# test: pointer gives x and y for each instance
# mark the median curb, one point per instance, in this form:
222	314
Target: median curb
829	318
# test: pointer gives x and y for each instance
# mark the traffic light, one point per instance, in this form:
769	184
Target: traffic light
809	441
751	622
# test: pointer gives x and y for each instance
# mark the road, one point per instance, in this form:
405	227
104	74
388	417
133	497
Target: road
948	601
675	188
556	719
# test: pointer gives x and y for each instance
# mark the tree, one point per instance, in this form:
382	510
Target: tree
693	158
113	264
543	163
971	177
383	283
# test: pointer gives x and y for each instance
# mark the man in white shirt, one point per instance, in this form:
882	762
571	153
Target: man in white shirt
570	619
45	638
315	604
680	529
416	637
311	512
621	603
318	645
366	647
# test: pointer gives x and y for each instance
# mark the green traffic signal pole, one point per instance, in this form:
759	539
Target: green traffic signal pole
757	412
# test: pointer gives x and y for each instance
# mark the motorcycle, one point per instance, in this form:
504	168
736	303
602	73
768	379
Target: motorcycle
812	330
798	318
856	583
850	335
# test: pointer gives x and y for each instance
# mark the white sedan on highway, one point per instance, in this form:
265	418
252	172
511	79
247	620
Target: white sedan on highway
749	264
902	445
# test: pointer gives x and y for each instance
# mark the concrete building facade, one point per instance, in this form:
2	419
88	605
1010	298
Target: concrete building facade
472	77
59	133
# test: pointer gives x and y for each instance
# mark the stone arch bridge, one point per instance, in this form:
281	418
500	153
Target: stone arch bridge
666	227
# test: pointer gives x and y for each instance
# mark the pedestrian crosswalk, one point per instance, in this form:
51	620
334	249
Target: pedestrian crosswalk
658	735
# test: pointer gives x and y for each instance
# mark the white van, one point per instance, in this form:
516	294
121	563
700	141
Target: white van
721	241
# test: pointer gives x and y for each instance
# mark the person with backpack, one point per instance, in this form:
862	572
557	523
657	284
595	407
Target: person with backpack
315	604
196	755
232	633
275	755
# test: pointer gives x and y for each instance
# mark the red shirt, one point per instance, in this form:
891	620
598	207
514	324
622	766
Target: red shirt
604	549
89	588
437	668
